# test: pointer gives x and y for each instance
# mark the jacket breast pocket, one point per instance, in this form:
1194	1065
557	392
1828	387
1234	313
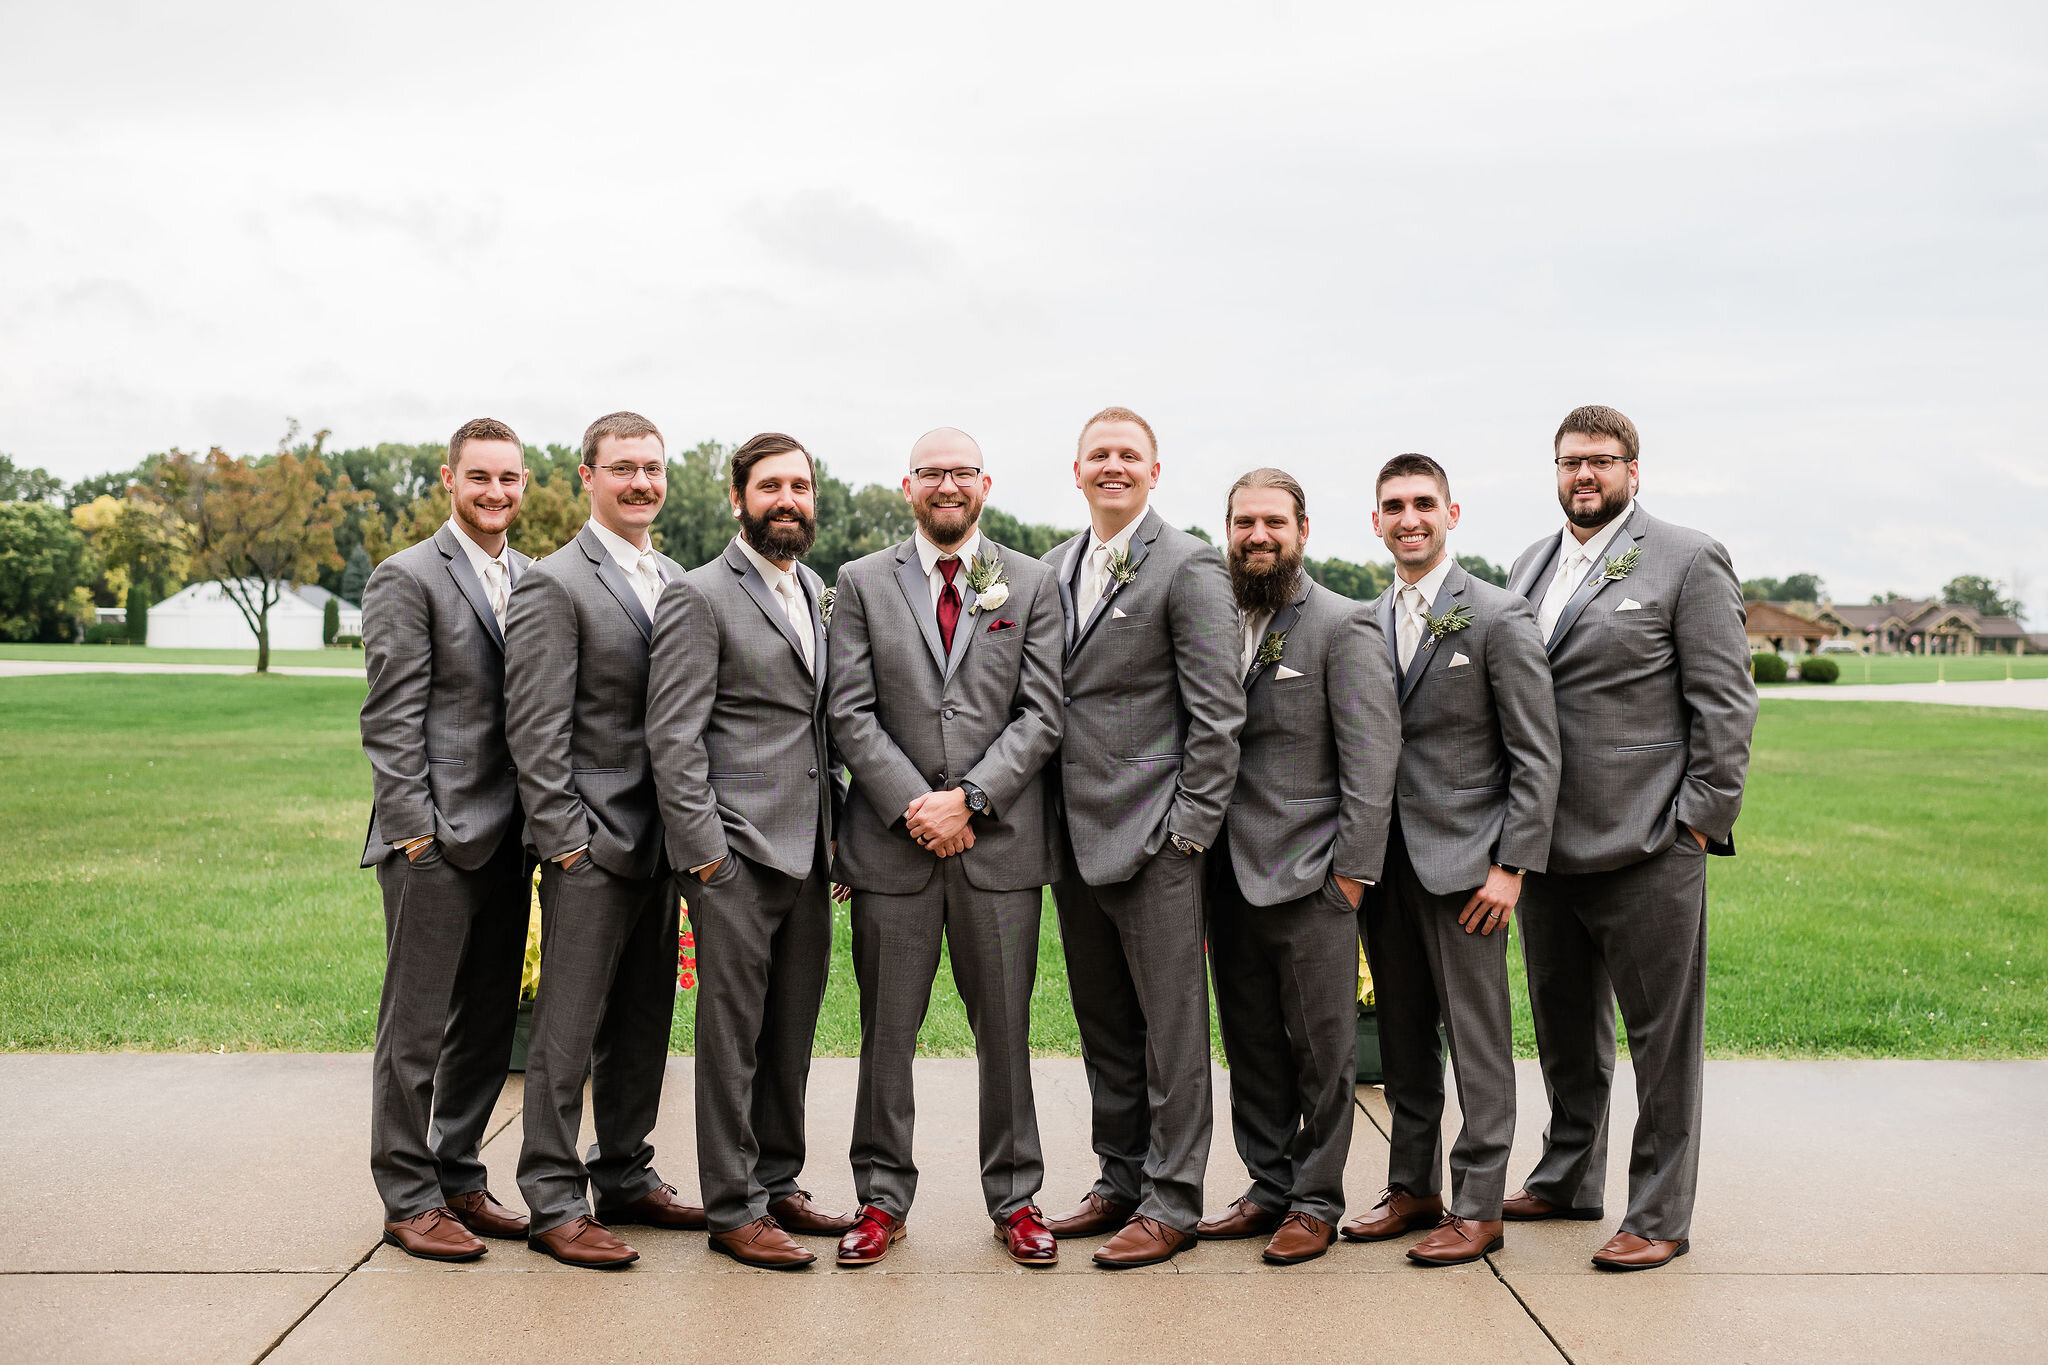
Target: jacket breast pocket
1132	621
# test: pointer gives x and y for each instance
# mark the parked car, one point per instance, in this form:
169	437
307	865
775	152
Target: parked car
1837	647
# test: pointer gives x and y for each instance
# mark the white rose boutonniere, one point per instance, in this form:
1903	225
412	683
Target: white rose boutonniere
990	581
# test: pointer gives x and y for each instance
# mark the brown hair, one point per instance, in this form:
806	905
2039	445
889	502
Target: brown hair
1114	414
1401	466
1596	420
759	448
480	429
621	424
1267	478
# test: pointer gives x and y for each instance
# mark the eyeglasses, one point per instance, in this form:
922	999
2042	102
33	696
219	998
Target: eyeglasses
1571	464
624	472
963	477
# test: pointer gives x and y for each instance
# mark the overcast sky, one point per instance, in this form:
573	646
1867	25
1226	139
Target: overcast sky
1804	246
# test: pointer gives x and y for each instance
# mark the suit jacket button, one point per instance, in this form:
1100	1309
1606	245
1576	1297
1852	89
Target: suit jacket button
814	772
949	713
1066	701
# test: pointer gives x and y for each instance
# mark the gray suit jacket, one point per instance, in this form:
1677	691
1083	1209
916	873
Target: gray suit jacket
910	718
736	722
1315	784
1654	701
575	689
1154	702
434	720
1479	753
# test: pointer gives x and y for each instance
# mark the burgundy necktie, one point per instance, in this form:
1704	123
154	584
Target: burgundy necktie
949	602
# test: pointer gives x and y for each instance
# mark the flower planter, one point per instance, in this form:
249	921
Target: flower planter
521	1031
1370	1070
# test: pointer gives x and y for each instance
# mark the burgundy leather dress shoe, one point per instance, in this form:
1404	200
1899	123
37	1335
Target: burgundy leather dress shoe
585	1243
870	1237
1143	1241
1626	1251
1458	1241
762	1243
658	1208
436	1235
486	1217
1094	1216
1025	1236
1300	1237
1244	1218
1524	1207
1397	1212
797	1213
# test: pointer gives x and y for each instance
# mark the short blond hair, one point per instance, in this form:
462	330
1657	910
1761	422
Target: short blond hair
1114	414
621	424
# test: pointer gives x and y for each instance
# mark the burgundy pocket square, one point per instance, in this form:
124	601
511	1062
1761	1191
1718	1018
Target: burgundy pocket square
995	626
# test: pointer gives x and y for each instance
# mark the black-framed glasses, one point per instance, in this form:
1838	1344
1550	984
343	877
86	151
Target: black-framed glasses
1571	464
963	477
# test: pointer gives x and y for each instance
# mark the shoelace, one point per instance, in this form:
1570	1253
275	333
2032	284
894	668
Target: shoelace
1452	1220
1296	1216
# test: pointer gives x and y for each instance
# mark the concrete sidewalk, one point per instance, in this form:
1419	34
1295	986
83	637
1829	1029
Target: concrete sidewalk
37	668
220	1209
2024	694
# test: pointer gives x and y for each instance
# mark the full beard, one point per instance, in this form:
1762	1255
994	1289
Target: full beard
1260	588
1609	508
945	526
773	539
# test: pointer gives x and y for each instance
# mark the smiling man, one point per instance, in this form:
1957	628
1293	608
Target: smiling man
445	840
1154	703
1643	622
1478	786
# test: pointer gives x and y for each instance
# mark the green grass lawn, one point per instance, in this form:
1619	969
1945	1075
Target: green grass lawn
179	873
1904	668
130	654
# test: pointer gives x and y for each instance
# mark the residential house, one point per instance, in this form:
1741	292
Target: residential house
1925	626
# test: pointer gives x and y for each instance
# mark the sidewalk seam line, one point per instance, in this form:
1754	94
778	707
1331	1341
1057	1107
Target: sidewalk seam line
1541	1326
314	1306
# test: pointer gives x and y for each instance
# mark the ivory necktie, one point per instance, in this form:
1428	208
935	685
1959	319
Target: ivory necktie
949	602
1093	579
649	585
1409	627
494	588
799	613
1561	589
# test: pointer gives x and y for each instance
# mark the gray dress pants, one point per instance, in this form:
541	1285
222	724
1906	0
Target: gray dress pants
1637	935
454	942
607	998
1287	1006
992	937
764	946
1141	999
1426	969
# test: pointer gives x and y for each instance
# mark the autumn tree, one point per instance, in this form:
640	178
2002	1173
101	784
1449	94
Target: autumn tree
259	528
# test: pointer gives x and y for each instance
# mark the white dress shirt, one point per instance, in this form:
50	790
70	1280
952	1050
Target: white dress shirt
643	569
1574	562
789	590
495	573
929	555
1254	636
1413	604
1095	566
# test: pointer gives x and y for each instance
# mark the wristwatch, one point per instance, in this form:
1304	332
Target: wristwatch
1511	869
977	799
1187	848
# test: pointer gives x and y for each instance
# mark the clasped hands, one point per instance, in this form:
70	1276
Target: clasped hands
941	822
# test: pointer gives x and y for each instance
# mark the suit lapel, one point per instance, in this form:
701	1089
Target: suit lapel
1282	622
614	579
1429	647
1596	579
1140	545
917	595
770	605
963	629
1535	574
1389	628
1065	572
814	588
464	574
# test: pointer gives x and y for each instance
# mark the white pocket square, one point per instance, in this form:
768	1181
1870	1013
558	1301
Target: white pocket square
1283	672
1457	661
1116	613
1629	604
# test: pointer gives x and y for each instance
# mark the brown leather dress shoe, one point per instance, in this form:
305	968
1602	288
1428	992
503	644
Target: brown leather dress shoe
1300	1237
1626	1251
1397	1212
436	1235
585	1243
658	1208
1024	1236
1458	1241
1094	1216
1524	1207
797	1213
486	1217
1143	1241
1244	1218
762	1243
870	1237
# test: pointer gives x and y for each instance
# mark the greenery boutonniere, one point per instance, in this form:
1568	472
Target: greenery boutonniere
1618	569
990	581
1270	649
825	600
1121	570
1457	618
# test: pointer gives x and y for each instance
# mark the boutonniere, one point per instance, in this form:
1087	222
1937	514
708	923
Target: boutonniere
1618	569
1457	618
825	601
1270	649
990	581
1121	570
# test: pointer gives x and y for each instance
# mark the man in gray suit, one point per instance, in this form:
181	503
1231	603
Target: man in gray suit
736	722
1154	702
444	838
947	832
1306	833
1643	622
575	683
1479	765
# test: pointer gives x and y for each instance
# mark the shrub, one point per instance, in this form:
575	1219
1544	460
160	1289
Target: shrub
138	615
1767	668
347	642
106	633
330	620
1819	670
